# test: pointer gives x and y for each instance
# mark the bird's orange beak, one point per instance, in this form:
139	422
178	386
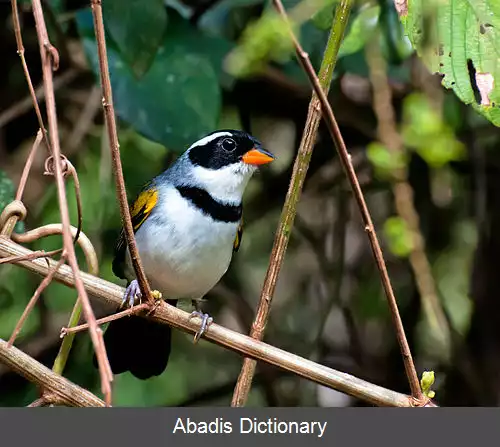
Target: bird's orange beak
258	156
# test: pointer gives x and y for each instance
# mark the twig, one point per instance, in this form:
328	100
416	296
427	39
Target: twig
345	158
283	233
7	228
26	103
50	61
124	313
41	402
93	269
85	120
31	304
112	295
403	193
31	256
109	117
20	51
66	391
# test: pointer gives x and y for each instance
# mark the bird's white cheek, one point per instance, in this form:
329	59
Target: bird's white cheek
226	184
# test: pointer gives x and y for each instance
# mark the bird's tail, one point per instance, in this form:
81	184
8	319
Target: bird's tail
138	345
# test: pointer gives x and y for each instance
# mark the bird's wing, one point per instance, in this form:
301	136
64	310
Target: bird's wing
140	209
239	235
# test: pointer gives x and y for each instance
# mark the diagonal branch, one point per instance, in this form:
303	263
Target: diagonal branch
346	161
109	116
20	51
112	294
403	193
288	213
50	61
60	389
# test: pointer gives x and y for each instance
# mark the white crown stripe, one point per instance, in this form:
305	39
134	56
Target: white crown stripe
209	138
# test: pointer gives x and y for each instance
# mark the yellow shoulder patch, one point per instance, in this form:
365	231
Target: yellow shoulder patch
239	235
142	206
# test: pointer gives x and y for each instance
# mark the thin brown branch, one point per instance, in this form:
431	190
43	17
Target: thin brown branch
31	256
20	51
109	116
14	210
403	194
23	106
67	392
345	158
31	304
124	313
17	208
50	61
288	213
27	166
53	229
112	295
41	402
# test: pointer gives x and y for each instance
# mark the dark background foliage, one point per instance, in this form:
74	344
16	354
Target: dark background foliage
172	83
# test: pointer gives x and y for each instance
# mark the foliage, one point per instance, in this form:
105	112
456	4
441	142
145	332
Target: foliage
176	73
137	28
460	39
186	63
426	382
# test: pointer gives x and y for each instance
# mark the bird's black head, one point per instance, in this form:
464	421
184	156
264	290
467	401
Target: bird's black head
226	147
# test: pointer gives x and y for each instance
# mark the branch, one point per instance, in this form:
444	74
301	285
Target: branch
289	211
345	158
66	392
109	117
112	294
403	193
50	62
20	52
7	227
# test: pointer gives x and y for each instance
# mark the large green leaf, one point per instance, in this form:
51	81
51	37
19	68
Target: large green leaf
179	98
137	27
460	39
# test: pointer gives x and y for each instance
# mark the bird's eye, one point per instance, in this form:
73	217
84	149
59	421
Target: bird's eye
228	144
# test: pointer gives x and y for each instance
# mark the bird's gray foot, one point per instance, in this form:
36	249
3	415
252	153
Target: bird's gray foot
132	294
206	320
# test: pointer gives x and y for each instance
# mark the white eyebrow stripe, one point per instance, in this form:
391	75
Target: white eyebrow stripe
210	138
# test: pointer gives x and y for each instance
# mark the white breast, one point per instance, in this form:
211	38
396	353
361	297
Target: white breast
184	252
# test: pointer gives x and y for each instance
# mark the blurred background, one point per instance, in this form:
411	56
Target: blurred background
181	69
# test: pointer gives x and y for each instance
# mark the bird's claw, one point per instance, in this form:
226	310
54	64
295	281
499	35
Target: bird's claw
206	320
132	294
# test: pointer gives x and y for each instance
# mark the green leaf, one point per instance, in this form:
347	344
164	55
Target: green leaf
7	195
361	30
426	382
425	131
398	236
179	98
384	161
460	39
137	27
263	40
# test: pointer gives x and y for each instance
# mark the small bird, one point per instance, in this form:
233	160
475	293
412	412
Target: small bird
187	223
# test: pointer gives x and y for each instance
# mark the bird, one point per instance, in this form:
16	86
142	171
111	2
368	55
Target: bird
187	223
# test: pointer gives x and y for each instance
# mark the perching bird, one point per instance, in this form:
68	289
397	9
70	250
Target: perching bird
187	224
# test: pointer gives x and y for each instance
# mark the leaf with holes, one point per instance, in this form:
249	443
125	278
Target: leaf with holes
137	28
460	39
